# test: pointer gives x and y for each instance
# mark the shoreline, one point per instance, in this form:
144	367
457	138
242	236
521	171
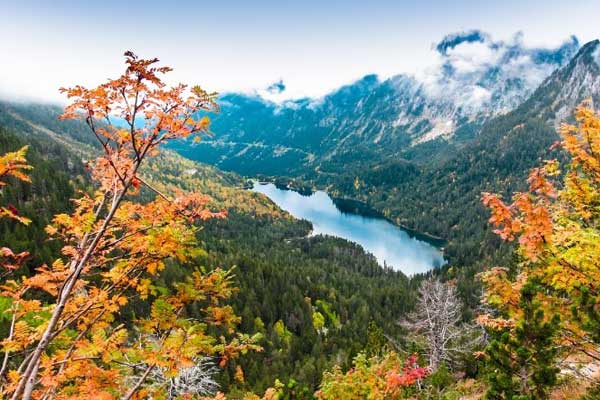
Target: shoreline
348	205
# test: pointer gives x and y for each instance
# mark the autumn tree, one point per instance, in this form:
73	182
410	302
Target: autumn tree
558	232
13	164
65	339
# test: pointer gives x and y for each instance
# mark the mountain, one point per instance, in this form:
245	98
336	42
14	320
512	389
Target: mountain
441	195
558	95
351	142
318	301
476	79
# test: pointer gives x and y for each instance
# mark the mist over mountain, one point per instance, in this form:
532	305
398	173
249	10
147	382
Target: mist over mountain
481	75
474	79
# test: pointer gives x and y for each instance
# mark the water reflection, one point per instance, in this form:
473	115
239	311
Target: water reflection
391	245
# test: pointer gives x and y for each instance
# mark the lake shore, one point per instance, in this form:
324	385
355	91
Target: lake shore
391	245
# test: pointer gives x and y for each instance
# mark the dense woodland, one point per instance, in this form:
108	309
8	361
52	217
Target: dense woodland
284	278
193	294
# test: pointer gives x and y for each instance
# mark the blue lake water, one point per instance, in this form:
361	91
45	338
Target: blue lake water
391	245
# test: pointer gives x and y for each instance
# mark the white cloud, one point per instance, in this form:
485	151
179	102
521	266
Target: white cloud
472	57
478	96
471	68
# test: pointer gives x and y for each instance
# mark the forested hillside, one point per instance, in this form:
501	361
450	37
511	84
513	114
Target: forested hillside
54	181
431	187
286	279
132	272
442	196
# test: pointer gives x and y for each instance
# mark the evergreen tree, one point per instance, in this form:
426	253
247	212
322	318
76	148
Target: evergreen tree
521	364
376	340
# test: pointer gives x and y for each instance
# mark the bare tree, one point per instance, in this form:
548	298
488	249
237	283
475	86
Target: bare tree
196	380
437	317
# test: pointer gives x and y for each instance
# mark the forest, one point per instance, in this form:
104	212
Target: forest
132	272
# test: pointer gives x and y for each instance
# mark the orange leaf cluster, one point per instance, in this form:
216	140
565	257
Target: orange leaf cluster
66	340
388	377
558	234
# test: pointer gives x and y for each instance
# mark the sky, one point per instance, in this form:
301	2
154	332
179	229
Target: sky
311	46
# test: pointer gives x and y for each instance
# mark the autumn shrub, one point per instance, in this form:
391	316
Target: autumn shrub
386	377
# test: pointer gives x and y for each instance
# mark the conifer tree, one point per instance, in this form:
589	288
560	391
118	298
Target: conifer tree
523	365
550	301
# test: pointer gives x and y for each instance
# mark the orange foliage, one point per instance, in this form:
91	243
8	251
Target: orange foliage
71	345
377	378
558	233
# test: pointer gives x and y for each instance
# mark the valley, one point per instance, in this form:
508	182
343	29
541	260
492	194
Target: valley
284	275
426	235
348	144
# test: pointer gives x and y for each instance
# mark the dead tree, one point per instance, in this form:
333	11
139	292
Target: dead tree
437	318
195	380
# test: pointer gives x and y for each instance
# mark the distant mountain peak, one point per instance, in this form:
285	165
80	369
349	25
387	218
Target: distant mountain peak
276	87
452	40
589	53
568	86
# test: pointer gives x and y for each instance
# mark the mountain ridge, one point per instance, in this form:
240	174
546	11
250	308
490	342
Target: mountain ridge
385	116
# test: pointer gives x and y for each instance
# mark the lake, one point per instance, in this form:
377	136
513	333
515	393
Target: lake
391	245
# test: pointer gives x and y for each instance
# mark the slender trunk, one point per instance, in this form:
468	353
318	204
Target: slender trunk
7	353
30	384
139	383
27	381
50	393
523	376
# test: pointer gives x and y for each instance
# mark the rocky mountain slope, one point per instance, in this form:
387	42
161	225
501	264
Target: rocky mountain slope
476	78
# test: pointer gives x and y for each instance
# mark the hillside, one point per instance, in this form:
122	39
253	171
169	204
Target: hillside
434	185
442	196
283	277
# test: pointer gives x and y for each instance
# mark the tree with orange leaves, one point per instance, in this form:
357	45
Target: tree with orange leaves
14	164
377	378
65	339
558	233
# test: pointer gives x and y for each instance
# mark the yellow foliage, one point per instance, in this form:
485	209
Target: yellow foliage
558	233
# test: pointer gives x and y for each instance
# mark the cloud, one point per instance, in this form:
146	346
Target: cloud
472	69
478	96
469	57
473	73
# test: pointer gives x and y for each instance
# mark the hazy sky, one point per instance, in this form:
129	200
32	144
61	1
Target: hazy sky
313	45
